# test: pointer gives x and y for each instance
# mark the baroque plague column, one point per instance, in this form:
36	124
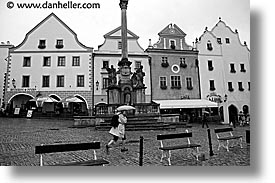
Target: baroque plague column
130	88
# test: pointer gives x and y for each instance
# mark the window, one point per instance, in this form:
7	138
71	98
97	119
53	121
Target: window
172	44
189	83
59	43
26	61
26	81
45	81
119	45
232	68
76	61
105	64
61	61
248	86
175	82
209	46
227	40
46	61
210	65
42	44
164	62
212	85
105	83
240	84
182	63
162	82
80	81
242	68
219	40
60	81
138	64
230	86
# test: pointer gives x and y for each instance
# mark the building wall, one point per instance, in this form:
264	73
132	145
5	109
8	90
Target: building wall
158	71
181	51
222	55
110	52
51	29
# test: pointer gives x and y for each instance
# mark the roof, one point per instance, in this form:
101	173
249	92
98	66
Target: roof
190	103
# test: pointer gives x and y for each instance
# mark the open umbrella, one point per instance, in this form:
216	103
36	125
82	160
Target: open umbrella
125	108
72	99
205	112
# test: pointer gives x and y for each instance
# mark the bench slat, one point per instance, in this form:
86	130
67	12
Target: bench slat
97	162
173	136
229	137
66	147
180	147
221	130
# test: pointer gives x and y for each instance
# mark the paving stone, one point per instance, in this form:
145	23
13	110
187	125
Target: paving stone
18	138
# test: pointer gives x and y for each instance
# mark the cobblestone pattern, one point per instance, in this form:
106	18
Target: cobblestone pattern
18	138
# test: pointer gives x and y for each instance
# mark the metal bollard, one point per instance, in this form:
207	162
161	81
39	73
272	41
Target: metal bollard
210	143
247	136
141	151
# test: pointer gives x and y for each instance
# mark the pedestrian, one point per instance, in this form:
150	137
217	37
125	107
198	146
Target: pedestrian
232	119
118	130
204	121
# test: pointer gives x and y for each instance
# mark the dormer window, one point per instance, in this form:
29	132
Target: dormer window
227	40
173	44
59	43
209	46
42	44
219	40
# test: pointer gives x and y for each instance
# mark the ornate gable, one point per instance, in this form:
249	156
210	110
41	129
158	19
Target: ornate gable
172	30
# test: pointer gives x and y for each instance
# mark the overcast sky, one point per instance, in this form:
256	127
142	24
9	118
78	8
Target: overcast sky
146	18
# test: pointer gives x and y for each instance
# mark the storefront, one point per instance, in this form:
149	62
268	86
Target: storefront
189	110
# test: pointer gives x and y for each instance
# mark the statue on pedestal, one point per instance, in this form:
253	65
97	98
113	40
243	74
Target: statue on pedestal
138	77
112	75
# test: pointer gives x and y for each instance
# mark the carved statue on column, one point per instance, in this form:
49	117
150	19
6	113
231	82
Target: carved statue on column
112	75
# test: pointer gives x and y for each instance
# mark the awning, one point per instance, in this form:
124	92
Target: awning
190	103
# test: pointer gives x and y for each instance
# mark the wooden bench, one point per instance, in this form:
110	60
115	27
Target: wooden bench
43	149
166	150
224	135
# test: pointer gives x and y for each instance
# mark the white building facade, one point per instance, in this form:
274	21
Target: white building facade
224	64
50	62
109	54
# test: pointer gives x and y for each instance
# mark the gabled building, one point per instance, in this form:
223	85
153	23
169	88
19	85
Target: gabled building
108	56
175	74
225	70
50	62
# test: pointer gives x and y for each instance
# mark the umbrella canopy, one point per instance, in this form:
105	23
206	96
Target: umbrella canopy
72	99
41	100
205	112
125	108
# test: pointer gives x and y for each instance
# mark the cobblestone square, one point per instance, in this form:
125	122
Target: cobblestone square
19	136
